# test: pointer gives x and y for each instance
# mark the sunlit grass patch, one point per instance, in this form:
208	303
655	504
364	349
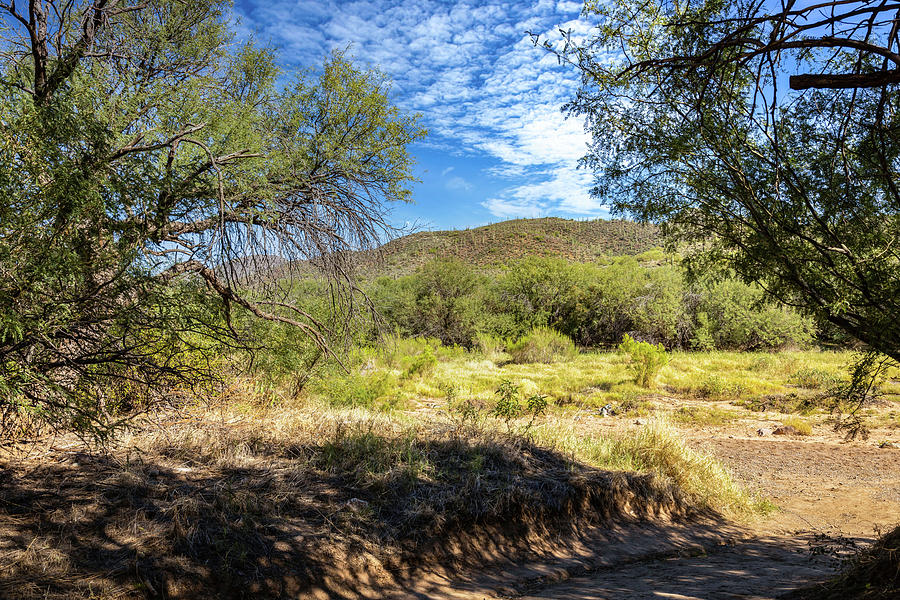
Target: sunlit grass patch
657	448
801	425
703	415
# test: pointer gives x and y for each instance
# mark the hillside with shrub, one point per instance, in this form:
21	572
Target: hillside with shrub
499	243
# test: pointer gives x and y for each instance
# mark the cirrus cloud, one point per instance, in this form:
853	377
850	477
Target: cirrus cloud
472	71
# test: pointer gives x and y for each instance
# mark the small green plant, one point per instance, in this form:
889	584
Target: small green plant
507	406
422	364
536	404
542	345
646	359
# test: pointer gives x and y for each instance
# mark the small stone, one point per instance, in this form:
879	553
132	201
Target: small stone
638	422
357	505
785	430
762	432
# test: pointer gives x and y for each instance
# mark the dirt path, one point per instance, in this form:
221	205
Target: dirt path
824	489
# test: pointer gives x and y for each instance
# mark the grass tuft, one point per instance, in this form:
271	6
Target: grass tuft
802	426
542	345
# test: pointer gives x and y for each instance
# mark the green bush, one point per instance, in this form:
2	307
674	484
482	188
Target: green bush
646	359
422	364
491	347
813	379
507	406
732	315
543	345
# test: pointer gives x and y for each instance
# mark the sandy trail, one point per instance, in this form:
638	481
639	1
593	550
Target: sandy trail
824	488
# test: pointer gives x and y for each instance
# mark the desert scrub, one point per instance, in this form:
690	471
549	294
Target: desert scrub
646	359
542	345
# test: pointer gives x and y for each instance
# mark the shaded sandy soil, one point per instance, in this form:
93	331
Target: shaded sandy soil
758	569
825	489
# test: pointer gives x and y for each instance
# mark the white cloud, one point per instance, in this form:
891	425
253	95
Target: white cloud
561	190
474	73
458	184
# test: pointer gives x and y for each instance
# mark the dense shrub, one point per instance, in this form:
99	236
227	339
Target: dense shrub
734	316
594	305
441	300
542	344
646	359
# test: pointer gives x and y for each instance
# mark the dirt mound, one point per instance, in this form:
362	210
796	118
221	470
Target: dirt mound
217	511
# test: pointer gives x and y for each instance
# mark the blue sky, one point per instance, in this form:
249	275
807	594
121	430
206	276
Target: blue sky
498	147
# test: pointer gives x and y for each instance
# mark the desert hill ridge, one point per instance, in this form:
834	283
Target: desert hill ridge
499	243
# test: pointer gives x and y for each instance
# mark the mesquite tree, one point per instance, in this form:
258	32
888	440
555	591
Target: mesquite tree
155	177
766	137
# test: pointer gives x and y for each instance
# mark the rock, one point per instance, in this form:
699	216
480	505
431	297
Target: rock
357	505
638	422
606	410
785	430
762	432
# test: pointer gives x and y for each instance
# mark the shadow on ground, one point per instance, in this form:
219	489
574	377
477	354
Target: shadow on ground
292	522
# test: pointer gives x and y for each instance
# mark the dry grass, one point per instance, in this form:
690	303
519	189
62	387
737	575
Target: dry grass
872	574
272	500
658	449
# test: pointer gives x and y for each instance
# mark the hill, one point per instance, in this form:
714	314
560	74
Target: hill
495	244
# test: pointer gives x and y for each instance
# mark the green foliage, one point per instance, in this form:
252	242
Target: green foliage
795	189
535	405
440	301
646	359
735	316
542	345
148	187
423	363
538	292
507	405
593	305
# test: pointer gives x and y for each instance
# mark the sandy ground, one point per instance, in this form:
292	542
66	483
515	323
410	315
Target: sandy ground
831	494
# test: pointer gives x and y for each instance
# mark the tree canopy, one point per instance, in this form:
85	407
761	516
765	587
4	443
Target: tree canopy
694	127
152	169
